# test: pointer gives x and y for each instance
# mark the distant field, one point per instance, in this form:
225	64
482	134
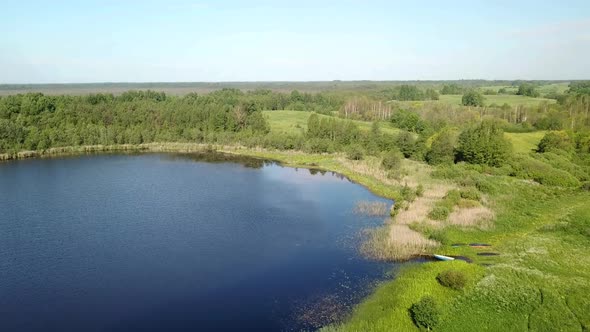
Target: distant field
525	142
512	100
296	122
543	89
181	88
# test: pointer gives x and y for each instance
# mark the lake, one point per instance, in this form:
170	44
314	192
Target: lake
159	242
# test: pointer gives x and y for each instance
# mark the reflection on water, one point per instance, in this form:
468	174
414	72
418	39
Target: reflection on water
178	242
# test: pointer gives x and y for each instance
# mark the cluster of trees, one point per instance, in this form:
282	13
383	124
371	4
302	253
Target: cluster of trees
36	122
406	92
527	89
452	89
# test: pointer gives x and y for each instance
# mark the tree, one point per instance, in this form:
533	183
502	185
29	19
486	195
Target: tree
313	125
409	121
406	142
392	159
432	94
409	92
484	144
442	149
527	89
472	98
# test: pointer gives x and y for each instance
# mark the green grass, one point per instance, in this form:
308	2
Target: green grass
296	122
543	89
525	142
512	100
540	280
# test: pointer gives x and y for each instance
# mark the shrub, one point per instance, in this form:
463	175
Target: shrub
452	278
355	152
525	167
425	313
392	159
585	186
470	193
420	190
485	186
439	213
556	140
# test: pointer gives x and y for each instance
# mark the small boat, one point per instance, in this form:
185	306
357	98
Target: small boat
443	258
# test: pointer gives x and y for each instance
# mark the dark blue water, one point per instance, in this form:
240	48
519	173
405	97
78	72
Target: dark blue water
167	242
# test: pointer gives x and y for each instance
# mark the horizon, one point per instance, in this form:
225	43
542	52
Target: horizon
66	42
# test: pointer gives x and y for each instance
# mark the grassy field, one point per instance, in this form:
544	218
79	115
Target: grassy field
560	87
296	122
539	280
512	100
525	142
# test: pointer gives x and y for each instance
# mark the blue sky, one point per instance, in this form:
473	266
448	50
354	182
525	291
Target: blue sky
178	40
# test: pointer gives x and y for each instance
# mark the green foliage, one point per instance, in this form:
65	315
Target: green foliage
391	160
439	213
556	140
470	193
527	89
425	313
407	144
408	120
442	149
553	120
409	92
472	98
525	167
579	88
354	152
451	89
420	190
432	94
453	279
484	144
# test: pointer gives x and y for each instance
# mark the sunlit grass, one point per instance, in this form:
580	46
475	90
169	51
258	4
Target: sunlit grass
525	142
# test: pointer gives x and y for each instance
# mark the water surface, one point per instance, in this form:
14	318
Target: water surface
170	242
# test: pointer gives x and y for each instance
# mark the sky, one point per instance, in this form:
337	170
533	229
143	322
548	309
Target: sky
195	41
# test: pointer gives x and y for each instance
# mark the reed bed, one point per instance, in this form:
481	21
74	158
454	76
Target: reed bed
373	209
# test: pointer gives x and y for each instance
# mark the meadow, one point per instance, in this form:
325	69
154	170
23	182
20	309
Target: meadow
295	122
512	100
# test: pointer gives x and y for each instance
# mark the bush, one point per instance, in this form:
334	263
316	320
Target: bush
392	159
355	152
525	167
439	213
556	140
420	190
452	278
470	193
585	186
425	313
408	194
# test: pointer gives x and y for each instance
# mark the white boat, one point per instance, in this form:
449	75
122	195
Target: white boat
443	258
